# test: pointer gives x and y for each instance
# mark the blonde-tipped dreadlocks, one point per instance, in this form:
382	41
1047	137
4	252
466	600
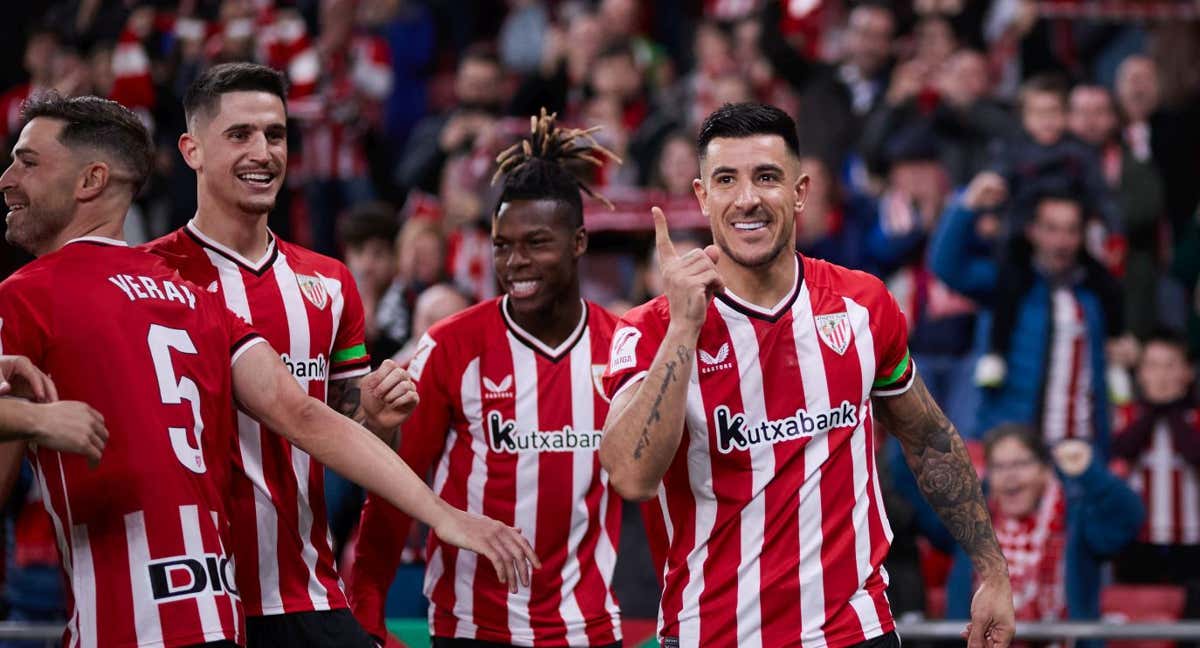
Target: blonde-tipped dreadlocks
537	167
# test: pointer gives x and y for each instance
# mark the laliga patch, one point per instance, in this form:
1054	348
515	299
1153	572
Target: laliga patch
417	364
834	330
624	349
314	290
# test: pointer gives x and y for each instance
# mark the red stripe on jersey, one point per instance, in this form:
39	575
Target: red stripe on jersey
675	507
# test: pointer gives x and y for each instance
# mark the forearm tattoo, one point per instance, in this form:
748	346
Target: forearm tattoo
936	454
682	353
345	397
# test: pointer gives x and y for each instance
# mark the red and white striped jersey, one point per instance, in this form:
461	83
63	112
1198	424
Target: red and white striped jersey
775	524
513	427
1168	484
143	535
1067	400
307	306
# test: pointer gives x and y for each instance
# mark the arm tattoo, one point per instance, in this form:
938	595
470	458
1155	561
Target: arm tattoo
936	454
682	354
345	397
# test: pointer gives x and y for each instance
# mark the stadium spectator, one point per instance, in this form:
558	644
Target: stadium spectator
1153	132
1055	382
1138	190
434	304
835	221
1159	444
835	98
368	234
420	259
41	59
478	103
1059	515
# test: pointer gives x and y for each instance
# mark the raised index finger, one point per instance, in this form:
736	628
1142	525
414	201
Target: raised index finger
662	237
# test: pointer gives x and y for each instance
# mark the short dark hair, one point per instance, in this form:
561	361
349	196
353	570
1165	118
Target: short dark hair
482	52
369	221
1044	83
537	168
204	94
1025	434
101	125
1168	337
745	120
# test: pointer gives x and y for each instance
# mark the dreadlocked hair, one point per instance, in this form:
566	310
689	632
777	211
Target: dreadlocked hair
540	166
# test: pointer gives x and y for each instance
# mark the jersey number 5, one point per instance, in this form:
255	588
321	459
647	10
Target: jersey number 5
174	391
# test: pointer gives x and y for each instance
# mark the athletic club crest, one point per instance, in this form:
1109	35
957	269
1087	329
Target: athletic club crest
314	290
834	329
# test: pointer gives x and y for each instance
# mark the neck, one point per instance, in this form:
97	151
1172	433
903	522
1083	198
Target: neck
79	227
763	286
555	323
243	233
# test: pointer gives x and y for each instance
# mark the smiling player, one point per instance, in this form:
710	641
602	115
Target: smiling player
744	401
511	413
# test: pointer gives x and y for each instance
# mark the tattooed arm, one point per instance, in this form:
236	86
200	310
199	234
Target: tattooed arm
645	421
936	454
379	401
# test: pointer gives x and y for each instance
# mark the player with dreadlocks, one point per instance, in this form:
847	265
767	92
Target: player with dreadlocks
511	412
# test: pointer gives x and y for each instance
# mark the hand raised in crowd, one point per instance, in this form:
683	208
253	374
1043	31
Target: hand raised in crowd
689	281
19	377
986	190
509	551
388	395
1072	456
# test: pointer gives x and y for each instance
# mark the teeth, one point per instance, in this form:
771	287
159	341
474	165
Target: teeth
749	226
523	288
256	177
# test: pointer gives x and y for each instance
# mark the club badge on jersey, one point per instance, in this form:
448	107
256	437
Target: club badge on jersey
313	289
834	329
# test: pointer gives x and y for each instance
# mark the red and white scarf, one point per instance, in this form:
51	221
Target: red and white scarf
1034	547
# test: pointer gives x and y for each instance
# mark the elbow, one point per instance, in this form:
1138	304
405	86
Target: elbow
629	489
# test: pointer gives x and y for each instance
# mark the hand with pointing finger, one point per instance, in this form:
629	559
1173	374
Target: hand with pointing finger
689	281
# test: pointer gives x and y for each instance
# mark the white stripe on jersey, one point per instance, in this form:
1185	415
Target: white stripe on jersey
267	532
583	420
232	598
816	399
700	482
193	545
467	562
1161	487
83	586
525	386
752	522
232	286
864	344
1162	463
145	609
337	303
60	537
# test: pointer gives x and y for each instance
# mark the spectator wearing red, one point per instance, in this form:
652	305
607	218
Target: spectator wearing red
1058	515
1158	443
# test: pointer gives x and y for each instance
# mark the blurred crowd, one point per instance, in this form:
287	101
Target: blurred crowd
1022	174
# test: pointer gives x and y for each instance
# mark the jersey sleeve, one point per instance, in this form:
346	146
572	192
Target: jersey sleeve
24	322
349	358
241	336
382	527
635	342
894	368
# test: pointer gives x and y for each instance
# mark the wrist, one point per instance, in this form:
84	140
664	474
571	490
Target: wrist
683	330
29	425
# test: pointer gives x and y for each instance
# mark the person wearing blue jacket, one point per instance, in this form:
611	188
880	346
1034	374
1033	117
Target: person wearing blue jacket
1059	514
1052	375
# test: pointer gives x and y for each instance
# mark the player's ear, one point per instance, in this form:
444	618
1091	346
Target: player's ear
701	194
802	185
189	148
581	241
92	181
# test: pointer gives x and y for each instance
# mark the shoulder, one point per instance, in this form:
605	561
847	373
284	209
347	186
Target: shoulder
655	313
31	277
600	321
177	249
863	287
304	260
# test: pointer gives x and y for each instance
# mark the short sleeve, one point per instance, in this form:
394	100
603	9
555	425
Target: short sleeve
349	358
24	325
635	342
894	369
240	335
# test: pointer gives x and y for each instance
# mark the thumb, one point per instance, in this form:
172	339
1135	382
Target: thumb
713	253
4	387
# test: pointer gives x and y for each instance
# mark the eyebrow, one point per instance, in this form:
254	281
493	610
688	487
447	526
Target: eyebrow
24	151
758	169
243	126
